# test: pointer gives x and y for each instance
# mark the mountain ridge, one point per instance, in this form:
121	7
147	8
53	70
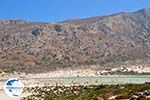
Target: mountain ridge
114	39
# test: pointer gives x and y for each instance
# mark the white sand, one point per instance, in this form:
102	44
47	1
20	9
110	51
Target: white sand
57	73
3	96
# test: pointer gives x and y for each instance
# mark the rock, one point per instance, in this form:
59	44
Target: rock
37	31
107	40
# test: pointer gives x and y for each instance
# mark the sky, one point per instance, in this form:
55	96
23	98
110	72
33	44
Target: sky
59	10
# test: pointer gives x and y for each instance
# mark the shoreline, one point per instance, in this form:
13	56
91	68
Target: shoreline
77	81
88	72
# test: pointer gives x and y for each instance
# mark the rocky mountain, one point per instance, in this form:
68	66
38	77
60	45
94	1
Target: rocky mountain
118	38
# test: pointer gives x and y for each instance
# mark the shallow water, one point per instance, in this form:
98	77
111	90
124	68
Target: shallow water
113	79
105	79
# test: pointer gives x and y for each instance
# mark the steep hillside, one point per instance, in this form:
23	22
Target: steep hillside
118	38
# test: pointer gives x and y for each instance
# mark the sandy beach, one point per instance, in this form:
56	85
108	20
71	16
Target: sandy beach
67	77
6	97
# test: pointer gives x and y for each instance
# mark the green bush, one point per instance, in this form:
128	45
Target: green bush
51	63
91	62
122	96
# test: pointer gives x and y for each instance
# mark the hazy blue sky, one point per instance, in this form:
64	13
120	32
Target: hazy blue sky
58	10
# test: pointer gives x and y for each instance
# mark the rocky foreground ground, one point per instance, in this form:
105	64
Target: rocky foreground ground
91	92
99	92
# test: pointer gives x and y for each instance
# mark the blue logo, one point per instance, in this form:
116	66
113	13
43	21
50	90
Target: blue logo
13	87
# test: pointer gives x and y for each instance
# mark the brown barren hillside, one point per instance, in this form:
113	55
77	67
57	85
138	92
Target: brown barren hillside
118	38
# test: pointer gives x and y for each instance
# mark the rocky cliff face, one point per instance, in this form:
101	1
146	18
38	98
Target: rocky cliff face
99	40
